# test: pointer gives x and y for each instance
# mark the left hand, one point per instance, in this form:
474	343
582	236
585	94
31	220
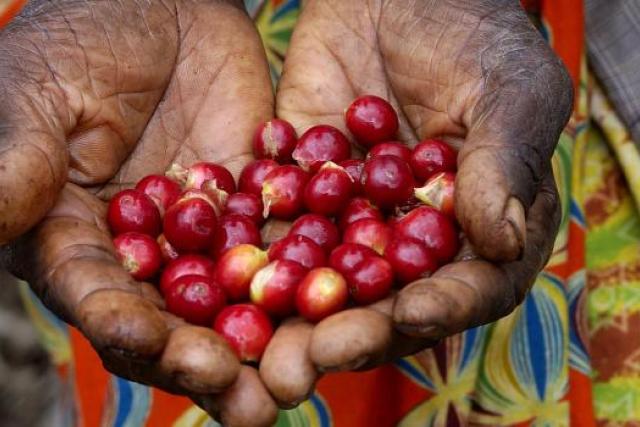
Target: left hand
477	74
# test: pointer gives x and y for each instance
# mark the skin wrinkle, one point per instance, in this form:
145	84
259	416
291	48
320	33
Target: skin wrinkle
57	259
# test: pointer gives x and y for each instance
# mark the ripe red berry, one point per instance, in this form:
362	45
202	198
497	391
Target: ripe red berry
189	225
410	259
236	267
321	144
216	198
357	209
433	228
283	192
274	287
370	280
432	156
253	175
169	253
439	192
276	140
328	191
371	120
391	148
139	254
372	233
234	230
163	191
354	169
387	181
246	328
197	299
201	172
245	204
322	292
299	249
347	256
185	265
319	229
132	210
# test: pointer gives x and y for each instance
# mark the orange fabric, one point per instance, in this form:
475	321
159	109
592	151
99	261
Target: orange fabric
91	381
9	9
379	398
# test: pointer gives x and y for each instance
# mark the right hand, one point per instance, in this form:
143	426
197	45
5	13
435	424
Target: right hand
95	96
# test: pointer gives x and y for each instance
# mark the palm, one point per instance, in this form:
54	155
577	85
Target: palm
477	74
124	90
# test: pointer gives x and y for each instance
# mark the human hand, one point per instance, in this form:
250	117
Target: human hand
477	74
97	95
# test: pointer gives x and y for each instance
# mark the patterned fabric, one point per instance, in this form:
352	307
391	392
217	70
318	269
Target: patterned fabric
613	29
570	355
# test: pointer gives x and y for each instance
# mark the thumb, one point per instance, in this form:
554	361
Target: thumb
513	130
33	155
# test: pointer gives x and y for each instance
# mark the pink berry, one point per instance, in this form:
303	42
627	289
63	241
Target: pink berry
387	181
197	299
431	227
431	157
274	287
253	176
346	257
357	209
371	120
246	328
234	230
236	268
283	192
410	259
354	169
370	281
162	190
132	210
139	254
319	229
201	172
185	265
321	144
391	148
322	292
169	253
439	192
276	140
300	249
189	225
328	191
372	233
245	204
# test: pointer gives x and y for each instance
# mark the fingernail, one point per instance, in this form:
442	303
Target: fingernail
349	366
431	331
514	214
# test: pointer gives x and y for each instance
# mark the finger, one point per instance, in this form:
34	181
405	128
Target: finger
470	293
332	59
70	262
513	128
246	403
194	360
199	360
360	339
78	98
220	92
286	368
33	156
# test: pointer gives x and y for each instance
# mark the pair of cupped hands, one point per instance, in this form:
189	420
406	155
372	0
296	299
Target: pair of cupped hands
97	94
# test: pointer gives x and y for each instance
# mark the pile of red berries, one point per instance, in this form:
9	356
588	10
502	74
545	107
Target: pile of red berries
359	226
